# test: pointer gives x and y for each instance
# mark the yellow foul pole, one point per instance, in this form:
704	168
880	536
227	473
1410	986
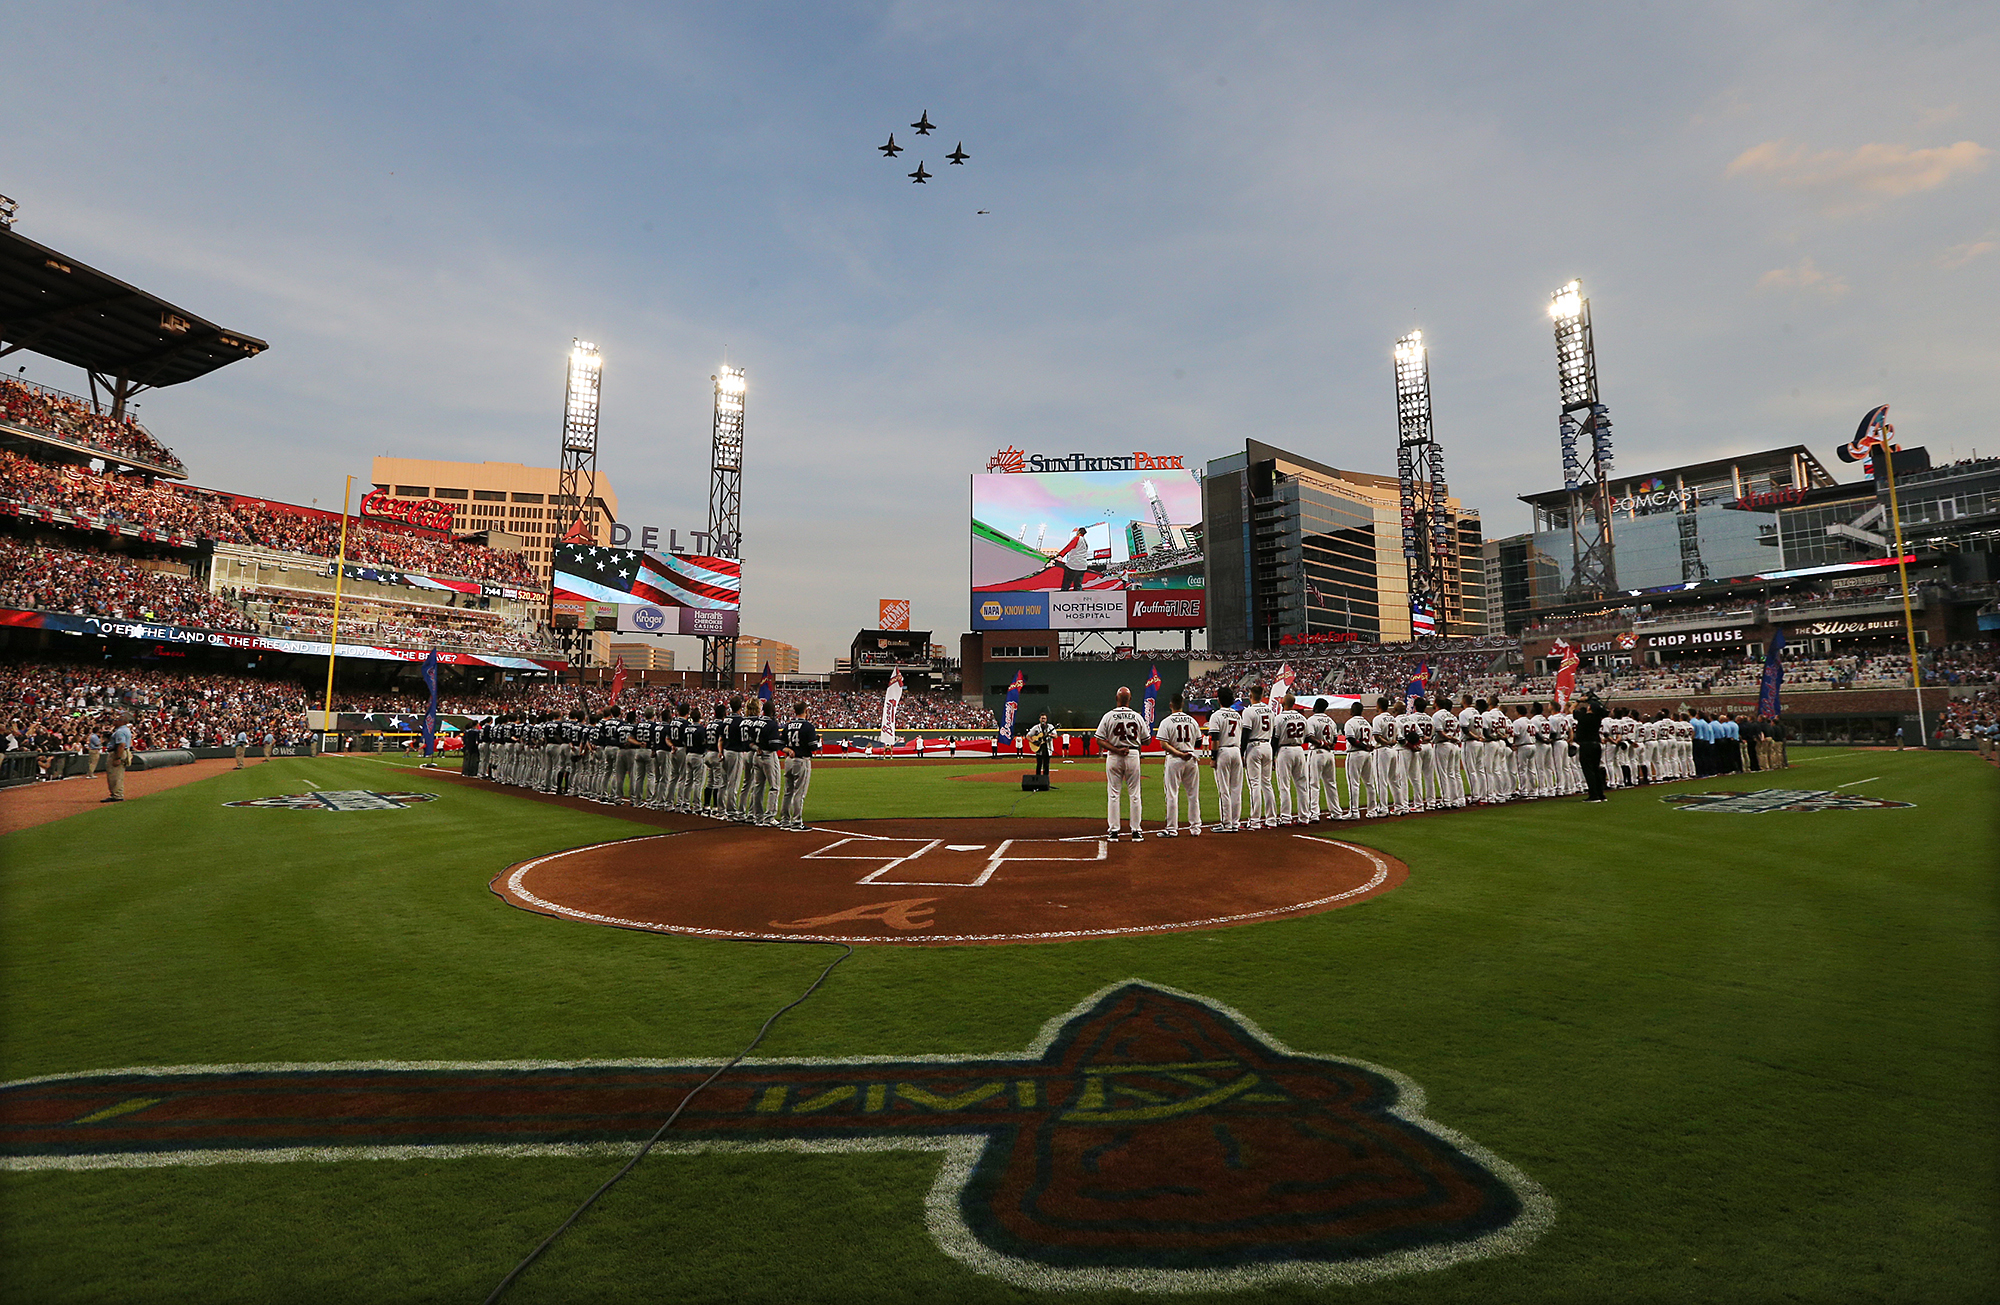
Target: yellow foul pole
339	575
1903	574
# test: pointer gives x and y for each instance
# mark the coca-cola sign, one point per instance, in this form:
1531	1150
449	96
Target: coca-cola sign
427	514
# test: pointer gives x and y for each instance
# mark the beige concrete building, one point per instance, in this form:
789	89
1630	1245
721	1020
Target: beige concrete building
640	656
752	653
497	496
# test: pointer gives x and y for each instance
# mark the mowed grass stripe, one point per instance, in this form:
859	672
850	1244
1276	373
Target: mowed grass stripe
1750	1056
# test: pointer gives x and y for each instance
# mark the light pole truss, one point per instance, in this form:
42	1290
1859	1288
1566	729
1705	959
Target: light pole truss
576	477
1430	537
1584	429
725	502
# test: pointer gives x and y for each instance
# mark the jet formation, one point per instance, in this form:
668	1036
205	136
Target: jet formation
923	126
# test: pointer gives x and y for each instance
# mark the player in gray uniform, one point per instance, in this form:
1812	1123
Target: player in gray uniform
1288	763
1258	722
1121	734
734	752
1225	729
1180	735
673	760
801	739
766	781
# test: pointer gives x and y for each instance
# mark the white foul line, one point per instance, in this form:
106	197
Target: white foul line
1852	782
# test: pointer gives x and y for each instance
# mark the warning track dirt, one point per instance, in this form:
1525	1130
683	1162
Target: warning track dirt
947	882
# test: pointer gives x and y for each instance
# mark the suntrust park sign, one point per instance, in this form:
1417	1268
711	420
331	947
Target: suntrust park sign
1013	459
428	513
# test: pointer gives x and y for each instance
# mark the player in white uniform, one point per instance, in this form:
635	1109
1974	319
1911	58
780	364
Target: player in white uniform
1258	722
1360	762
1390	778
1545	752
1323	764
1419	769
1180	735
1446	757
1288	762
1121	734
1499	733
1225	730
1684	734
1521	737
1472	745
1567	765
1612	731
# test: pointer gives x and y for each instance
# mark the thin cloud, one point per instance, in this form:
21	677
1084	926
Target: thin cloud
1848	179
1960	255
1803	277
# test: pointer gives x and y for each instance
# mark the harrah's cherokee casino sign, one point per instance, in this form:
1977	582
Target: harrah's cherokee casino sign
426	514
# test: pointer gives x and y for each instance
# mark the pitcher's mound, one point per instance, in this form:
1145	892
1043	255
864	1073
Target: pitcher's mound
939	882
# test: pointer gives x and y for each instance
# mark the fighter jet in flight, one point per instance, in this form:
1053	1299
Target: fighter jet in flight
892	149
920	177
924	125
958	155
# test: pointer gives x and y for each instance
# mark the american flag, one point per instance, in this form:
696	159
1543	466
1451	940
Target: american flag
1423	622
593	573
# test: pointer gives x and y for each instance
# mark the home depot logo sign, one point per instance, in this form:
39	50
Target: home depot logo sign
894	614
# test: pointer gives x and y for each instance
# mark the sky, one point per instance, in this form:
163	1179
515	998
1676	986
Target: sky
1204	223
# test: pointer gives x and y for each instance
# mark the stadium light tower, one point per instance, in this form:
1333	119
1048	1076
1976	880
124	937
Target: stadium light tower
1429	539
1586	470
725	503
576	481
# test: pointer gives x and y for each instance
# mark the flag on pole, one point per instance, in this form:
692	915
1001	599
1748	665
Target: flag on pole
1774	678
1423	621
1282	683
431	712
617	678
1012	708
768	684
1873	433
1152	695
1565	674
890	700
1419	685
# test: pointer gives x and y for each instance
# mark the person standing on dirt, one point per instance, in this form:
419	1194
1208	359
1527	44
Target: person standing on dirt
120	757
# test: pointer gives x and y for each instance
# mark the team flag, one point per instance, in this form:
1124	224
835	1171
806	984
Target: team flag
1152	695
1774	678
1012	708
617	678
431	712
767	684
1873	433
1419	685
890	701
1565	674
1282	684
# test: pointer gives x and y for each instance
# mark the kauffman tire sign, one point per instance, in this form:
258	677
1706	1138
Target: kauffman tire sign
1165	609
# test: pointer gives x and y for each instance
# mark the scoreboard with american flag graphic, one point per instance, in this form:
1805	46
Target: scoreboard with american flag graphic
652	592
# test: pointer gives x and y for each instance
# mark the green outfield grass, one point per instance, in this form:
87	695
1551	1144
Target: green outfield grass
1750	1057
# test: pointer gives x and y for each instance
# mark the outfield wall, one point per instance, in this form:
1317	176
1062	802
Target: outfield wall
1076	694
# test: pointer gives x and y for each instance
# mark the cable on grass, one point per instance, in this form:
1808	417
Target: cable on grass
846	950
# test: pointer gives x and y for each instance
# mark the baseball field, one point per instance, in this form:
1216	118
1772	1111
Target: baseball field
1675	1047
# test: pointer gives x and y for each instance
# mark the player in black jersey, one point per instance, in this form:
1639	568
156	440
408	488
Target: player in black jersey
766	780
801	740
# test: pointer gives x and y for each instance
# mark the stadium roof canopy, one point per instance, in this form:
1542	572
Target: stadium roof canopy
126	339
1792	465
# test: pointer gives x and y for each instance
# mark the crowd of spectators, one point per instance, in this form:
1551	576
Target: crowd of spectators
203	514
71	420
298	614
52	708
87	581
1357	670
1976	718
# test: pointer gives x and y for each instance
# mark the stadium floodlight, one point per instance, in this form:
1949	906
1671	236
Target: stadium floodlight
1429	535
725	502
586	367
1586	466
7	210
575	504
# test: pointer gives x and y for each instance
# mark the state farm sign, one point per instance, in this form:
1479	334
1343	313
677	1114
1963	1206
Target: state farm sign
429	513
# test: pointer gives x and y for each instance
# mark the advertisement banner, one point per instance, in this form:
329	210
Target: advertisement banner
118	627
1087	611
894	614
703	621
1169	610
1021	611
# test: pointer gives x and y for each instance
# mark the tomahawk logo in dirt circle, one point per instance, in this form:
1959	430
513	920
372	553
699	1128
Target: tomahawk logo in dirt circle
337	799
1779	799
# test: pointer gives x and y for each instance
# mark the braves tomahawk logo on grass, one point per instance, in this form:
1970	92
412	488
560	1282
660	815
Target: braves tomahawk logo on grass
337	799
1149	1139
1779	799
